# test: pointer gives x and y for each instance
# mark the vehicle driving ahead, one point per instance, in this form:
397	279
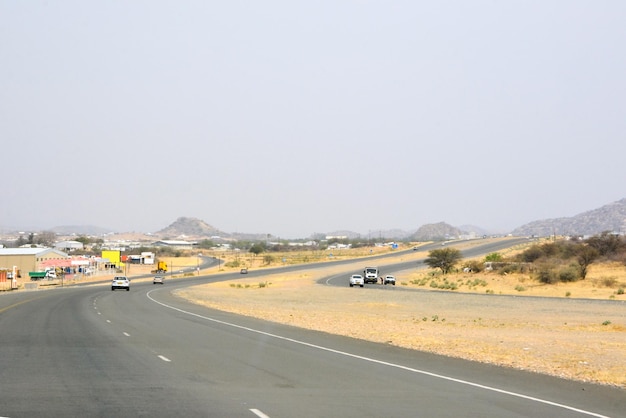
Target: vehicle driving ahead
120	282
356	280
158	280
389	279
370	274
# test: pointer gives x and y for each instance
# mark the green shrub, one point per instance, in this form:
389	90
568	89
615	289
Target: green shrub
493	257
476	283
547	274
569	274
532	254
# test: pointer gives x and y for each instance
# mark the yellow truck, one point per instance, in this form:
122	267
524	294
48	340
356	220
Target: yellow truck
161	267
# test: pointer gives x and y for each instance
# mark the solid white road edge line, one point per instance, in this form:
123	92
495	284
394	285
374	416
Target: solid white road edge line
371	360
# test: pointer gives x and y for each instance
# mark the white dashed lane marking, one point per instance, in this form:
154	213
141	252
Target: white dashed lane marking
259	413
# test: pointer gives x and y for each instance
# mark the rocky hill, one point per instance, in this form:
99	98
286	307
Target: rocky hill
611	217
190	228
435	232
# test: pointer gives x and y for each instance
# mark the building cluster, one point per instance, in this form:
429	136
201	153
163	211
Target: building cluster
32	262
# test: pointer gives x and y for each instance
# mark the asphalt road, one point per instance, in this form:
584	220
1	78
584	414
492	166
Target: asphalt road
480	249
88	351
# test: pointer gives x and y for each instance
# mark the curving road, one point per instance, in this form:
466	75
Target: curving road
479	249
87	351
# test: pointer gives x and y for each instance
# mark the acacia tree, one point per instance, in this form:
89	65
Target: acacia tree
257	248
606	243
444	259
586	256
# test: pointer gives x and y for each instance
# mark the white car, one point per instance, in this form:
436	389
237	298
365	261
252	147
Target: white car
158	279
389	279
120	282
356	280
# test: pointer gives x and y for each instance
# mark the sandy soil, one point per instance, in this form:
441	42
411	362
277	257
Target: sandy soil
556	335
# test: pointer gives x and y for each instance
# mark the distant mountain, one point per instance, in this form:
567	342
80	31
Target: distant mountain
190	227
436	232
611	217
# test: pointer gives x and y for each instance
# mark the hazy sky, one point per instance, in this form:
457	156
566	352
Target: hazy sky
293	117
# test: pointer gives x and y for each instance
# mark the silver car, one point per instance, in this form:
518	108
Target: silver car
120	282
158	280
356	280
389	279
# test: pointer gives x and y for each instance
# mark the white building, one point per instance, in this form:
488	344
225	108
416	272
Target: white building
68	246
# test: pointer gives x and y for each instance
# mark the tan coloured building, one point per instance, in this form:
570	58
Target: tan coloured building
28	259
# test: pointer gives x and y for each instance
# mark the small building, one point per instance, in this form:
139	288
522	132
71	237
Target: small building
147	257
68	246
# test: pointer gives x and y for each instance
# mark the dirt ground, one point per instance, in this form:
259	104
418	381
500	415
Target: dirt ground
565	336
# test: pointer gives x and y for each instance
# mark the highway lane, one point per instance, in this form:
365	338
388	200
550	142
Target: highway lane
92	352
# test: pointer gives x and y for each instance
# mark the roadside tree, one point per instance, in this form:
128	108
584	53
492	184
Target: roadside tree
258	247
586	256
444	259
